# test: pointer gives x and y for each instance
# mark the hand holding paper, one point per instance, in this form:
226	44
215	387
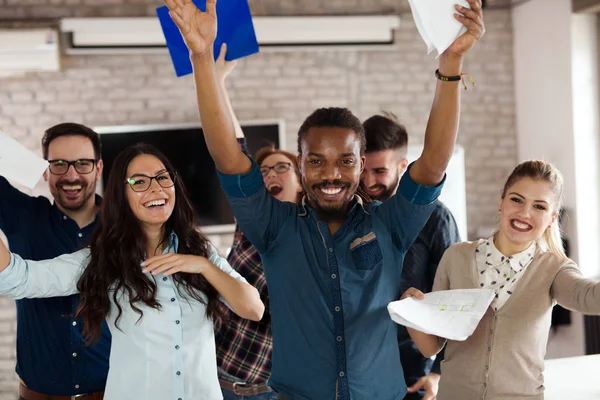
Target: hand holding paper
18	163
450	314
199	29
448	25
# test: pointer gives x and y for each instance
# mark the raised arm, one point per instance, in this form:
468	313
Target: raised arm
442	126
224	68
199	30
34	279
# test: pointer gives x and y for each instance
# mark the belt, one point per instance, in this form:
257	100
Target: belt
245	389
27	394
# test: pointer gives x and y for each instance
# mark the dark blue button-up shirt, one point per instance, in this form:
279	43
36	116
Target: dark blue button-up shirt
51	355
329	293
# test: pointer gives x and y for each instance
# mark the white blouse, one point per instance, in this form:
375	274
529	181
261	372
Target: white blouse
498	272
168	354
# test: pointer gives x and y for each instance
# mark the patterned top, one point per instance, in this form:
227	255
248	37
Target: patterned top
499	272
244	347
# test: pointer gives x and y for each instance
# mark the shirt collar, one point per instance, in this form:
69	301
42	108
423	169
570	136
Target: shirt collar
97	201
495	258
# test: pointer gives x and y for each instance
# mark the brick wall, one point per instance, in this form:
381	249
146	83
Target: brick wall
142	89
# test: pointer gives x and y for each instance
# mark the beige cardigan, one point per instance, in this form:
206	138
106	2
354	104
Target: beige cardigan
504	358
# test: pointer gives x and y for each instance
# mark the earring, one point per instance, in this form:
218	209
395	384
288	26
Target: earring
499	210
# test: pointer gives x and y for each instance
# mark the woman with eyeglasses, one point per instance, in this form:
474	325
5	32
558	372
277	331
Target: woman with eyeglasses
152	276
244	347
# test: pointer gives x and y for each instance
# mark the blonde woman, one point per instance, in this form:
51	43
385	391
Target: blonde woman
525	264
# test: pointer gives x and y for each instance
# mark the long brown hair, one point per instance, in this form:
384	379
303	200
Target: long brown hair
118	244
540	170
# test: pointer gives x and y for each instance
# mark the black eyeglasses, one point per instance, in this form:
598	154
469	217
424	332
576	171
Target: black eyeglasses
279	168
82	166
141	182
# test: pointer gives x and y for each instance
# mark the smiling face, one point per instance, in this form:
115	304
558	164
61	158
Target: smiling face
382	173
73	191
527	210
331	165
281	183
154	206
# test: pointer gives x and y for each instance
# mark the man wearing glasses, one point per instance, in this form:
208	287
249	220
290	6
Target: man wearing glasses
53	362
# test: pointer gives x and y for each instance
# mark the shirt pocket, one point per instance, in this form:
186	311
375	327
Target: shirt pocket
366	252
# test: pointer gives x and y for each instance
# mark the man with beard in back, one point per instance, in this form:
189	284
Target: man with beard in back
386	162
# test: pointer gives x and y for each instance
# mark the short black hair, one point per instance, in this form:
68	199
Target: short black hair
71	129
384	132
335	117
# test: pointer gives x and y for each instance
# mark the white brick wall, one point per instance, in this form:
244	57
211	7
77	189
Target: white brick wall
109	90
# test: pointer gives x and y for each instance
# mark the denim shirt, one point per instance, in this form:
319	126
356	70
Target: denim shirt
332	335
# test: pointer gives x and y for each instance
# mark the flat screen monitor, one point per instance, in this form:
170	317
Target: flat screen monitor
185	147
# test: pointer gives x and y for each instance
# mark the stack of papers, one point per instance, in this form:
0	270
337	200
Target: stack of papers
436	23
19	164
450	314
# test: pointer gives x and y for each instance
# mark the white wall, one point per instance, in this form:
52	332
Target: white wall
586	107
556	97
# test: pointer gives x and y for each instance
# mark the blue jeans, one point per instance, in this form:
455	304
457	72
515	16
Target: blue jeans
229	395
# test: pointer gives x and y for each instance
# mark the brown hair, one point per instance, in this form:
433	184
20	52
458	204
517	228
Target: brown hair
540	170
267	151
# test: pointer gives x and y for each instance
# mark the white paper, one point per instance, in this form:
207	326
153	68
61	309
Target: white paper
451	314
19	164
436	23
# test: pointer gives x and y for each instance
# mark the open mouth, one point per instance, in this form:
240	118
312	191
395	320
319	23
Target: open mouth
275	189
71	190
520	226
155	204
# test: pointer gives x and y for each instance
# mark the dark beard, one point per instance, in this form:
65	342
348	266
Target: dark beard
387	191
332	214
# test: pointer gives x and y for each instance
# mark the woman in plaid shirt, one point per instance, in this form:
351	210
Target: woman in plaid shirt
244	346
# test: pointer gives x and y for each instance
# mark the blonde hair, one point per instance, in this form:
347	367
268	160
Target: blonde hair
551	240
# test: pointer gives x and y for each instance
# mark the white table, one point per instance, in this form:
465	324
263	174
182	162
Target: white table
574	378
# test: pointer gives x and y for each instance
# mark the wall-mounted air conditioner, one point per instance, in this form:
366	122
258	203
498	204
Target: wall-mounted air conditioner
144	34
27	50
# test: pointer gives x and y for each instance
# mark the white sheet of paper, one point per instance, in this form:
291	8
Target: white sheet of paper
18	163
436	23
451	314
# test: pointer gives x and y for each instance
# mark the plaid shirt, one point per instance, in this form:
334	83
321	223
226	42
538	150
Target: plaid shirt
244	347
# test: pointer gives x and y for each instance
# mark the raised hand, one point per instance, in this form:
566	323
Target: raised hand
472	19
199	29
222	67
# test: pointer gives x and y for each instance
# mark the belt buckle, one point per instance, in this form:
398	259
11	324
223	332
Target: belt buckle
236	385
79	396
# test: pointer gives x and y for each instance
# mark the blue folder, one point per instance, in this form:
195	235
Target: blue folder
235	28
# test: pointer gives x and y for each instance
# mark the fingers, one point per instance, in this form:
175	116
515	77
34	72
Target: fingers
177	19
429	396
471	18
418	385
171	4
222	53
413	292
211	7
161	267
153	262
468	13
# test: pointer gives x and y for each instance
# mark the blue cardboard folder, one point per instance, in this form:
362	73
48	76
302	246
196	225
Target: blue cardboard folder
235	28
